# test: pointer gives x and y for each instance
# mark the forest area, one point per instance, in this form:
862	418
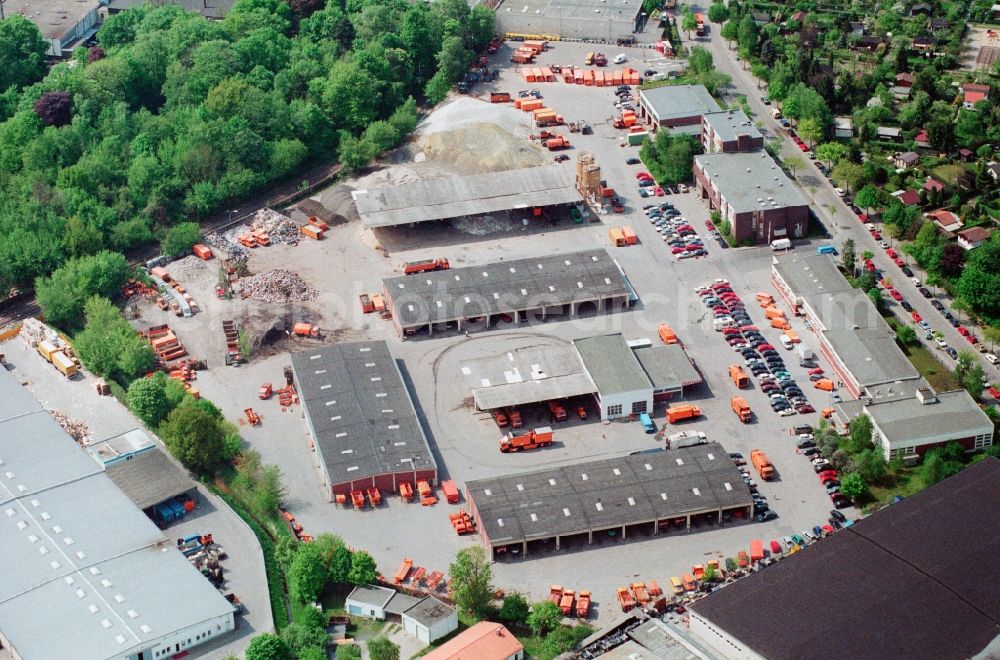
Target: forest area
172	116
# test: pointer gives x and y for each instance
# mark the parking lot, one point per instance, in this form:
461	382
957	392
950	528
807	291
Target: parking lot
465	442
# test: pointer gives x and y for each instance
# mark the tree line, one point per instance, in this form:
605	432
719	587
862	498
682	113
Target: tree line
172	115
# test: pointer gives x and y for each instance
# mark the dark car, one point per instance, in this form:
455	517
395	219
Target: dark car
840	517
905	305
906	271
804	409
936	304
954	322
633	161
836	524
952	353
925	292
766	516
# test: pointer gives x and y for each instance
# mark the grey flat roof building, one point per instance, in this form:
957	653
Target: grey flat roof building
889	586
676	102
606	494
809	274
429	610
87	574
850	309
371	594
361	417
512	287
729	125
612	364
149	478
668	367
907	418
527	375
749	181
456	197
579	19
871	355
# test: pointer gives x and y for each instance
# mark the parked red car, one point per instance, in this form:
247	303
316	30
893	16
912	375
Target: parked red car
709	225
775	548
896	295
917	318
899	262
962	330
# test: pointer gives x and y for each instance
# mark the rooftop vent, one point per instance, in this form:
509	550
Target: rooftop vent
926	395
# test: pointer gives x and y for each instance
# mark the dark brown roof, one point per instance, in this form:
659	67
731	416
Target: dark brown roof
891	586
149	478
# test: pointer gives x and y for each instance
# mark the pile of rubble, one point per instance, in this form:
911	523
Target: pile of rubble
274	286
34	331
230	242
280	228
78	430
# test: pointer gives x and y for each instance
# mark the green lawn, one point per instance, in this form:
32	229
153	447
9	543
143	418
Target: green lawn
948	173
930	368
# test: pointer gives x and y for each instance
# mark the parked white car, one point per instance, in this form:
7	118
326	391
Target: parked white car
620	58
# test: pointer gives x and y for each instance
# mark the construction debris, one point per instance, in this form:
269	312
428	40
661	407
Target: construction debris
78	430
274	286
34	331
279	228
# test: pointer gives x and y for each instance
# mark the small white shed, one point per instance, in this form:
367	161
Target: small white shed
369	601
430	620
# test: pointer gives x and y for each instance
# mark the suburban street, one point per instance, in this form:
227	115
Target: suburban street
839	219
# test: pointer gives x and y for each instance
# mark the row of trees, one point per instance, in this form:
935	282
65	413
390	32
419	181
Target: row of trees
173	115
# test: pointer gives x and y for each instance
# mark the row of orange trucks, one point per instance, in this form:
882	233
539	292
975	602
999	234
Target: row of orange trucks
576	76
406	493
564	599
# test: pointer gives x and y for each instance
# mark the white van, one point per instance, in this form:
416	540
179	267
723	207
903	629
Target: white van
781	244
786	341
992	359
620	58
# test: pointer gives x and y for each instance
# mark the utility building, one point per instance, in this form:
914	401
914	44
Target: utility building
361	418
643	494
509	291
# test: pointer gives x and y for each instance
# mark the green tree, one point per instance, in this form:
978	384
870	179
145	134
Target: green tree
861	433
318	653
147	398
809	129
382	648
871	465
268	647
748	33
688	21
906	335
472	581
108	345
848	174
340	567
849	255
308	572
363	568
853	487
718	13
969	373
544	617
867	198
794	162
300	636
515	609
285	550
700	60
710	574
62	296
195	438
180	238
730	31
831	152
269	491
22	52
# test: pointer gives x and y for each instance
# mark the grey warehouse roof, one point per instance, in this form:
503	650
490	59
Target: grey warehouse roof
214	9
871	355
86	574
429	611
54	18
471	291
887	587
810	274
612	364
729	125
616	11
455	197
527	375
360	411
744	178
668	366
847	310
678	101
607	493
149	478
954	413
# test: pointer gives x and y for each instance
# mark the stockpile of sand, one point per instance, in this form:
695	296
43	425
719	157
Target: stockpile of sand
470	136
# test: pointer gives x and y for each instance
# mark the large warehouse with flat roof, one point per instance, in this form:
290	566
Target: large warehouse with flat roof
86	574
600	20
510	291
890	586
572	506
672	106
361	418
456	197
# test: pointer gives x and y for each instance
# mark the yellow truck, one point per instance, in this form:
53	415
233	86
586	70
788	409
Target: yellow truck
46	348
64	364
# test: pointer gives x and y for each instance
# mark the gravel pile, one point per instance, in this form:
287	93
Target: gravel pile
279	228
78	430
274	286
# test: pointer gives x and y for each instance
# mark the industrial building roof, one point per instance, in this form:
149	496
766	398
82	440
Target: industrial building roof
659	641
729	125
214	9
810	274
429	611
906	418
750	181
678	101
484	641
121	446
54	18
149	478
472	291
527	375
86	573
607	493
850	309
362	417
890	586
871	355
455	197
617	11
612	364
668	366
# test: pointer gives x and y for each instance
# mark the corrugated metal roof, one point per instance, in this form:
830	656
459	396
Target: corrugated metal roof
612	364
149	478
456	197
668	366
527	375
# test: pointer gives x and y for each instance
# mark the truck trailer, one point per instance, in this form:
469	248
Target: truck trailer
686	439
681	412
425	266
524	440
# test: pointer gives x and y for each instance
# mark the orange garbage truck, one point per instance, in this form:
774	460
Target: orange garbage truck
742	409
667	334
583	605
566	602
739	376
763	464
524	440
681	412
